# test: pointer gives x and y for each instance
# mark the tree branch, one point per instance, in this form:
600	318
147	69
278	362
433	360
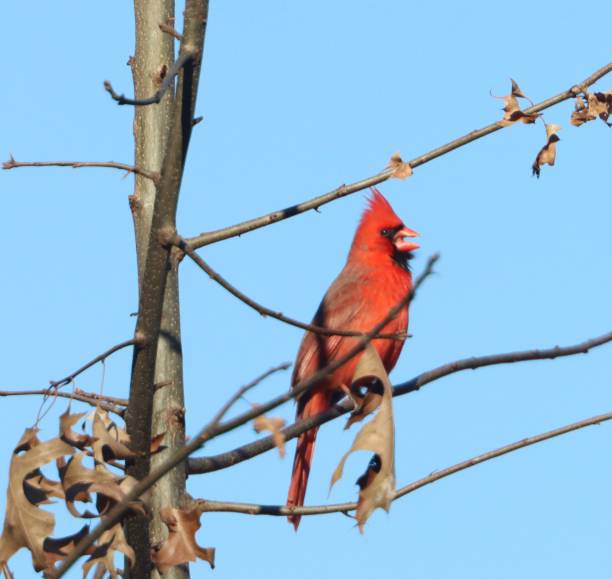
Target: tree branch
206	464
87	398
12	164
283	511
209	237
267	312
99	358
187	55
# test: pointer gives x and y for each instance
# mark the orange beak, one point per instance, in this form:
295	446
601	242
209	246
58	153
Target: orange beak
401	244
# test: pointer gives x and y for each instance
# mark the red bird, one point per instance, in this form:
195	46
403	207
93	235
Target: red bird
375	278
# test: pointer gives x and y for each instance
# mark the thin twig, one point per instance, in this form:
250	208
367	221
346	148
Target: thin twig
168	29
99	358
211	430
206	464
12	164
185	57
283	511
209	237
244	389
267	312
81	397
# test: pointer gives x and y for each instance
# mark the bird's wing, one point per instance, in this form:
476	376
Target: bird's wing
344	308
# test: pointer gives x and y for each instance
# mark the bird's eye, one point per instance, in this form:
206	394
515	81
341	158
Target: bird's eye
385	232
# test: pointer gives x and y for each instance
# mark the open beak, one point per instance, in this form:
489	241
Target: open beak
400	242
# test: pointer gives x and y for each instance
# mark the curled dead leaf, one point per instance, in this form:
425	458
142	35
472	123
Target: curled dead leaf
25	525
597	104
181	545
67	421
512	110
377	484
103	554
109	439
58	549
156	443
274	425
548	153
399	168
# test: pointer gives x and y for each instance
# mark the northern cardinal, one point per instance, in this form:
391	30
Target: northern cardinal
375	278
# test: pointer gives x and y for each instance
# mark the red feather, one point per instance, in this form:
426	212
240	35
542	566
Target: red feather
371	283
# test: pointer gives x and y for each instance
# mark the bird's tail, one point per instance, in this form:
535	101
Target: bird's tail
318	401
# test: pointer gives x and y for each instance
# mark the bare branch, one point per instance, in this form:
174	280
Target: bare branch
265	312
12	164
209	237
283	511
87	398
206	464
100	358
169	29
186	56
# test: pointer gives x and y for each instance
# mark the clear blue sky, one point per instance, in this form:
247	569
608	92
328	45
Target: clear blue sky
298	98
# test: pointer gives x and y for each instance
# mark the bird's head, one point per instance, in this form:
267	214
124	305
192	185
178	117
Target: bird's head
381	233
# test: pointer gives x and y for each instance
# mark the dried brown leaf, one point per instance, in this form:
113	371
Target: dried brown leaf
377	485
273	425
365	404
400	169
38	488
58	549
67	421
25	525
110	440
180	547
516	90
103	555
598	104
548	153
80	483
156	443
512	110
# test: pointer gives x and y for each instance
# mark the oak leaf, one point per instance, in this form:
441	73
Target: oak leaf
273	425
25	525
377	485
180	547
81	482
103	554
512	110
38	488
399	168
58	549
67	421
597	104
110	440
156	445
548	153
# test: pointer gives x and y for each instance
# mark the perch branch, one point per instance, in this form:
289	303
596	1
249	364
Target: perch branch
206	464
